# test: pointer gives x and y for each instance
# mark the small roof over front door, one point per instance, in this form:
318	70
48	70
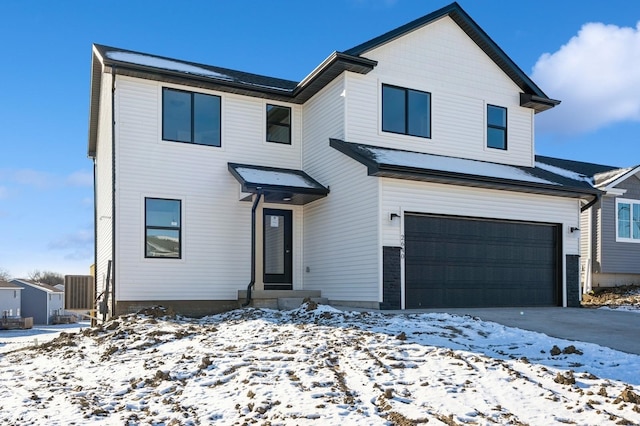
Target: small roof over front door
282	186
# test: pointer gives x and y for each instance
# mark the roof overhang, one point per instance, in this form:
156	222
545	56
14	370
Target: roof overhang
277	185
426	167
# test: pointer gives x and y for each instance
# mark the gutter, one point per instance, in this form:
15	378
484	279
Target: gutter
253	248
596	198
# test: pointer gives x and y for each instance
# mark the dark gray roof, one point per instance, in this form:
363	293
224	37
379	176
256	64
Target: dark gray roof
580	167
285	186
533	96
400	164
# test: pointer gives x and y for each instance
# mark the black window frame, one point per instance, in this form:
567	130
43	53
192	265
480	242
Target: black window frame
278	124
148	227
193	119
498	127
407	117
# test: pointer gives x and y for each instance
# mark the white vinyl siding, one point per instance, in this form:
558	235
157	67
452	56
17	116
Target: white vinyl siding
216	226
461	80
341	243
104	198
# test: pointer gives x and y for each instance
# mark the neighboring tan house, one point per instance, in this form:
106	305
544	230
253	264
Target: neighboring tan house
610	228
398	174
10	297
40	301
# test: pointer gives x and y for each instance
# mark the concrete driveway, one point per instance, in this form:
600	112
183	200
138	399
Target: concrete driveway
616	330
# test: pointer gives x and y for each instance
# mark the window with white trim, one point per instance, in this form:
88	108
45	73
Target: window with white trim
496	127
628	220
163	236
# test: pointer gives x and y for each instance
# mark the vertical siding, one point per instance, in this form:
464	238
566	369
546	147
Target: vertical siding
104	175
216	227
461	80
619	257
341	243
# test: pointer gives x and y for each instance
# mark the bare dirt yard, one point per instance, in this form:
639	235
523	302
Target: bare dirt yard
626	297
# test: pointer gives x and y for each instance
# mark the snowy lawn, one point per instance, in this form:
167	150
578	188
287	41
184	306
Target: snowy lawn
313	365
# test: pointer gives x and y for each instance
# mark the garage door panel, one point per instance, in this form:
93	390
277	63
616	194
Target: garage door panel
459	262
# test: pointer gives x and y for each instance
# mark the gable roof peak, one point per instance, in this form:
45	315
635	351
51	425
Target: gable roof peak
532	96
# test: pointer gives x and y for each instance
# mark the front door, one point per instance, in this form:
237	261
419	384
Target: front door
277	249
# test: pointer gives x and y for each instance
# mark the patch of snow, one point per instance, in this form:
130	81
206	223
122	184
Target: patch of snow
315	363
564	172
451	164
155	62
272	177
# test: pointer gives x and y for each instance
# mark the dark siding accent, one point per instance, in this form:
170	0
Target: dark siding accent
391	279
464	262
573	280
618	257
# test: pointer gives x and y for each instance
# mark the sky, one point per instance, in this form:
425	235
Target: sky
585	53
311	366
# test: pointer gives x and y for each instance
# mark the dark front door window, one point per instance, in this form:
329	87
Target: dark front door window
277	247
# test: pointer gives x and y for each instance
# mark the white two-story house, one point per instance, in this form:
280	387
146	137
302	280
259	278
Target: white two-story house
398	174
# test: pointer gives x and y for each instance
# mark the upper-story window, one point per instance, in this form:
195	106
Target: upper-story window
163	233
278	124
406	111
628	220
190	117
496	127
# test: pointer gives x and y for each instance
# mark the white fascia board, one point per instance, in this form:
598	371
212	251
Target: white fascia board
610	186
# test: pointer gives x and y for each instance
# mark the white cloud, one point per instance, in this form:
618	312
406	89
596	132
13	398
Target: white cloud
596	75
34	178
80	178
78	245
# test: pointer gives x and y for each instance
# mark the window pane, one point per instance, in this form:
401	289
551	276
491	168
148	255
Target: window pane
496	116
624	222
419	117
393	109
163	243
278	124
636	221
176	115
274	244
496	138
206	122
164	213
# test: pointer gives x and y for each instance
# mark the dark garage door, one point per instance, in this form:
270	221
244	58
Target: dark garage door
460	262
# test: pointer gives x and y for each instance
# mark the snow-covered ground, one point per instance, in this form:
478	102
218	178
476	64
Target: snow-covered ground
312	365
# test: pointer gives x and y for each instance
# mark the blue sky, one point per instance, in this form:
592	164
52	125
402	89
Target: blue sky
585	53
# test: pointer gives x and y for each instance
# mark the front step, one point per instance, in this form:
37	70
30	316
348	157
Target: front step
280	299
289	303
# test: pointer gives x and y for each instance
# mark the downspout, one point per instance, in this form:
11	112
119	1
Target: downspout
591	203
253	247
95	237
113	190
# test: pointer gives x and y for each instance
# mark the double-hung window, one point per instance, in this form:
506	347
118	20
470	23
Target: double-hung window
278	124
496	127
163	234
628	220
190	117
406	111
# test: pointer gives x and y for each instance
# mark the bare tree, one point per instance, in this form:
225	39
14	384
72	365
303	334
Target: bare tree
46	277
4	275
